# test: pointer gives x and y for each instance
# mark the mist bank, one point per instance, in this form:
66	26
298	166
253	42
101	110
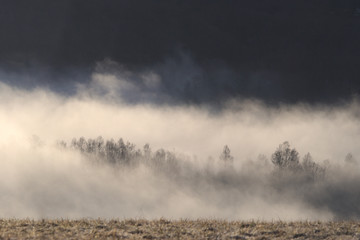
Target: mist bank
40	180
248	127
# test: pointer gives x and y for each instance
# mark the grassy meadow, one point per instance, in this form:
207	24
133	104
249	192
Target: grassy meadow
175	229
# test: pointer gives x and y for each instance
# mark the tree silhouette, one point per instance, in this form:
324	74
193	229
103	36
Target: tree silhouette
225	158
311	169
147	152
349	159
286	158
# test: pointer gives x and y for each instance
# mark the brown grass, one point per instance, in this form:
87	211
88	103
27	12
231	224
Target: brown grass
180	229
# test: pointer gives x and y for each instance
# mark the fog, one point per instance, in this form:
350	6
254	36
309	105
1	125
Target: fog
216	93
40	180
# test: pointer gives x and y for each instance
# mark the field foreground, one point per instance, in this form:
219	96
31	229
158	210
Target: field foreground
180	229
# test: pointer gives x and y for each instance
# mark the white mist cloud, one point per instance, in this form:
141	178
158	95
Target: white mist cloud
42	181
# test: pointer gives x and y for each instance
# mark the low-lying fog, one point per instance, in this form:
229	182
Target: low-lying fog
38	179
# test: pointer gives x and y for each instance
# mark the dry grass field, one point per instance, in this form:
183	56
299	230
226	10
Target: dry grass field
180	229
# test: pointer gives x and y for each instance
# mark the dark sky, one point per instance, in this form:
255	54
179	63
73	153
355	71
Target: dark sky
276	51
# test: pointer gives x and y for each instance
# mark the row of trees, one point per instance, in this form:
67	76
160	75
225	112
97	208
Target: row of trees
285	158
109	150
120	153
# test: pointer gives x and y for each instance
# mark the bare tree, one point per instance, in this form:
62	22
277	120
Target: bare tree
349	159
286	158
225	158
147	152
312	169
